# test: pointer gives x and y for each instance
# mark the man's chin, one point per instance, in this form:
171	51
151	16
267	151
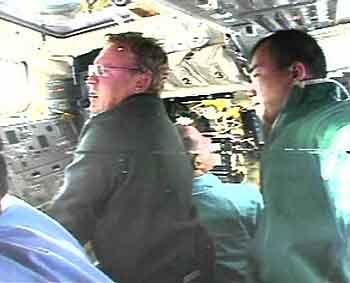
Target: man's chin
93	109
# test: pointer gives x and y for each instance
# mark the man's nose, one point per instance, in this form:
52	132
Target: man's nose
91	82
252	81
91	79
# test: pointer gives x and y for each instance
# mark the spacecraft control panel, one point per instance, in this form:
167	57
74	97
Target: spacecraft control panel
37	153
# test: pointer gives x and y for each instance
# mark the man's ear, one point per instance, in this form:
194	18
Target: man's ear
144	82
198	164
299	71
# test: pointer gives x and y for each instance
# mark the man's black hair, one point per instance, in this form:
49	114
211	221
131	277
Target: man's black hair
289	46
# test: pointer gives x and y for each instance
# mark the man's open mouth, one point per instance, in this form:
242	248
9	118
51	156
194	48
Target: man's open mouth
93	95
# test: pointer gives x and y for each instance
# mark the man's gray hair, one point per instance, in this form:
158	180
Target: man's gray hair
149	55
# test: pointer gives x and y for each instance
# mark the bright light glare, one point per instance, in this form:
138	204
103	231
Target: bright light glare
322	9
14	87
334	168
343	10
335	42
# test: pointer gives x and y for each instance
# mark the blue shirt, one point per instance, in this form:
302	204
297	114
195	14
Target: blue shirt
35	248
230	212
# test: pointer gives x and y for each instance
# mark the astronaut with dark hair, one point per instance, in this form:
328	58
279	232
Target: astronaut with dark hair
304	231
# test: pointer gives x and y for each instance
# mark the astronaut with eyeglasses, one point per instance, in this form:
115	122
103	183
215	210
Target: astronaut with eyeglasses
128	189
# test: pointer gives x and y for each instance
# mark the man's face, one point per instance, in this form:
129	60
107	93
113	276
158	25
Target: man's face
112	78
203	148
270	83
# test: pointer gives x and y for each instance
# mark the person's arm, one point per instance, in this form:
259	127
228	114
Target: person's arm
88	183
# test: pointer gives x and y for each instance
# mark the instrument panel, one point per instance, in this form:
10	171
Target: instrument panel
37	153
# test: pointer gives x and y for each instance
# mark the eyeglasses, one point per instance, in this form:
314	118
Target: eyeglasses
101	70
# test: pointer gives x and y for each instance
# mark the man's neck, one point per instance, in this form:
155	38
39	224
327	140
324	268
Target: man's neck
270	115
198	172
272	110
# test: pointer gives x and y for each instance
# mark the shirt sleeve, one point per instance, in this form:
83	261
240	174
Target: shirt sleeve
28	255
88	182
